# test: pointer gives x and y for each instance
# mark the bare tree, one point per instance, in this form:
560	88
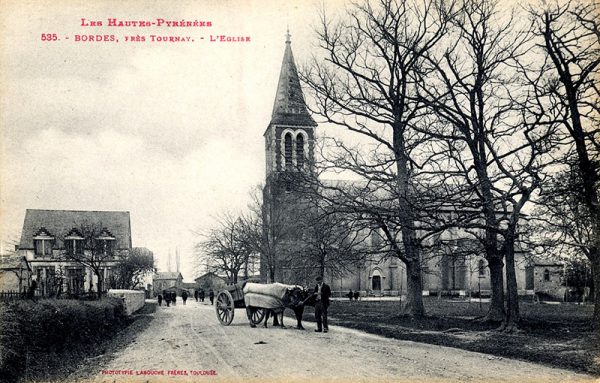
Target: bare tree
92	246
366	84
129	273
569	35
331	242
493	148
225	246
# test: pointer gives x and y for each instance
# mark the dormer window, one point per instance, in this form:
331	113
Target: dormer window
74	242
43	242
107	241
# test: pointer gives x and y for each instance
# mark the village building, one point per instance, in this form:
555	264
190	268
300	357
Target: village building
210	281
52	239
15	274
190	287
289	149
167	280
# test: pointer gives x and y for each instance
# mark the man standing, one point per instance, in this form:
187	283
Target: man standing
322	294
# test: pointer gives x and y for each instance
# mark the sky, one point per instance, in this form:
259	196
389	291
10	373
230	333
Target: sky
171	132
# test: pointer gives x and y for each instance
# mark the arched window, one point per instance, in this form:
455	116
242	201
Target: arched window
288	151
300	150
546	275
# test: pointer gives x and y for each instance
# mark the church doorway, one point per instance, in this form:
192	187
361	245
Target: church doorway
376	283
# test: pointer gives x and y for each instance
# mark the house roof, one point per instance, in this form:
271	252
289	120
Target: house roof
289	107
167	275
538	261
60	223
209	274
12	262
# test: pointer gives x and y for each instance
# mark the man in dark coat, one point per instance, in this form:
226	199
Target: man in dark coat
196	295
184	296
174	297
322	294
160	299
211	296
201	295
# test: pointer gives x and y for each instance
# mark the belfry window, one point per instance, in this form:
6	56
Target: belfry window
300	150
288	151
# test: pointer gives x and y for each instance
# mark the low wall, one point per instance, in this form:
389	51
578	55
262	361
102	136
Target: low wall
133	299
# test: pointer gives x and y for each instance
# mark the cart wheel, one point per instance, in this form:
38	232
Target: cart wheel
257	315
225	308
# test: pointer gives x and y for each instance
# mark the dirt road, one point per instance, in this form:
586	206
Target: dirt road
187	343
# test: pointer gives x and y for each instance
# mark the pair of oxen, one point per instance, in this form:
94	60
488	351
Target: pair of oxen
274	299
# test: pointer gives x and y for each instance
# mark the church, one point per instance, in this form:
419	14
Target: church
290	139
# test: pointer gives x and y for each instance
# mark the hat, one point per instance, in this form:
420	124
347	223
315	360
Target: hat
319	279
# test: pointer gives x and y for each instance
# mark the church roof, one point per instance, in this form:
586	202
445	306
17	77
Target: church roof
289	107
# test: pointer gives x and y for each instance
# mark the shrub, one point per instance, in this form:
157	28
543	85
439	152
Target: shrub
28	328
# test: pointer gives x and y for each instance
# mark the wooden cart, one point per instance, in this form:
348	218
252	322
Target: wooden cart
231	298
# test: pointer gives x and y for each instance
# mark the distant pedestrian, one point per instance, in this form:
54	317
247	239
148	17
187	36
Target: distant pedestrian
196	295
211	296
350	294
160	299
201	295
184	296
174	298
167	296
356	295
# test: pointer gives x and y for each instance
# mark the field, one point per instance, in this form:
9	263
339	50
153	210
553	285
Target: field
555	335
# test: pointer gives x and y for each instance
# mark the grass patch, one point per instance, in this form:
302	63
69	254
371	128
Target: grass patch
555	335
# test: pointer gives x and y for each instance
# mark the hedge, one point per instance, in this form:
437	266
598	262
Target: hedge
29	329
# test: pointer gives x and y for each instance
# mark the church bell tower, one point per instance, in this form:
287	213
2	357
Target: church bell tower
289	152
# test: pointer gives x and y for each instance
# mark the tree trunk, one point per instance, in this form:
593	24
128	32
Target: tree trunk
414	294
496	311
99	283
414	298
595	261
271	275
512	299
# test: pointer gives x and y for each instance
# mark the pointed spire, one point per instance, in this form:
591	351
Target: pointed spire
289	107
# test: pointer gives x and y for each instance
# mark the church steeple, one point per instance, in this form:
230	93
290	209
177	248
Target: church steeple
289	138
289	107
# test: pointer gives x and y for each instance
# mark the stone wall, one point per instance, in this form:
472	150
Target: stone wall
133	299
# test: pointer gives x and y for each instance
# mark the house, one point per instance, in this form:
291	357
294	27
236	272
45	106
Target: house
545	278
190	287
15	273
210	281
65	248
165	280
